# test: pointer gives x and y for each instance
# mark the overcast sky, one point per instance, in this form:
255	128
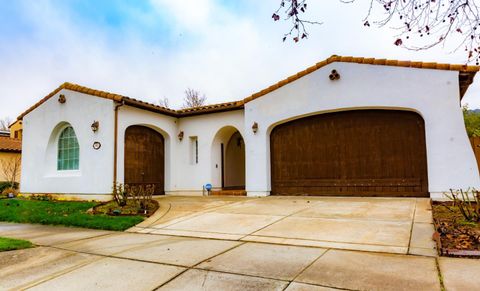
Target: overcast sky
155	49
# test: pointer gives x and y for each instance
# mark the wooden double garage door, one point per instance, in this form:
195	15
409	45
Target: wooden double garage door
351	153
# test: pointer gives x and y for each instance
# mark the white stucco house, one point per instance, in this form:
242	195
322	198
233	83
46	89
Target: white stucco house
343	127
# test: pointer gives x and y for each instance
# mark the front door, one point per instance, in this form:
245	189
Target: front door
145	157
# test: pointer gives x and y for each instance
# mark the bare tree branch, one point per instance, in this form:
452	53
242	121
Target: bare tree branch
429	23
5	123
422	24
293	9
164	102
193	99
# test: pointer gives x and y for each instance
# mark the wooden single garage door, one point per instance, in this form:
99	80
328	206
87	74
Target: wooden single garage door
144	157
361	153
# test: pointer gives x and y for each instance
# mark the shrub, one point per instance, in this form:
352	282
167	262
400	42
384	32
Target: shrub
468	203
142	195
4	185
120	194
8	191
42	197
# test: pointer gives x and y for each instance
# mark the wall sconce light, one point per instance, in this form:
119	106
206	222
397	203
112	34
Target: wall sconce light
62	99
334	75
95	125
255	127
180	135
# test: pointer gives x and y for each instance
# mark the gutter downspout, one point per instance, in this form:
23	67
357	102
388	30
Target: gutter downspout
115	139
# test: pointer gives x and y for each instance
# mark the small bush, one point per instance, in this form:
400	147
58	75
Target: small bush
41	197
120	194
142	195
468	203
8	191
4	185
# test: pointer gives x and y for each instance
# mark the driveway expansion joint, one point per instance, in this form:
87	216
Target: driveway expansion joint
327	233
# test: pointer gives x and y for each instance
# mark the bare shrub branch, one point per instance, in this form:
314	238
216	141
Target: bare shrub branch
11	169
468	203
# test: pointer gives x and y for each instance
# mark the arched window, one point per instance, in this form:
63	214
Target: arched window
68	150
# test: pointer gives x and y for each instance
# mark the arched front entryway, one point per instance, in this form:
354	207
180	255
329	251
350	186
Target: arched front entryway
144	158
350	153
234	163
228	159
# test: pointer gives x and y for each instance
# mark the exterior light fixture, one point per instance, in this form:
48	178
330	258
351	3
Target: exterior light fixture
255	127
62	99
180	135
334	75
95	125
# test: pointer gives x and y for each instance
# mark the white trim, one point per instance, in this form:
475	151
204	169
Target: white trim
258	193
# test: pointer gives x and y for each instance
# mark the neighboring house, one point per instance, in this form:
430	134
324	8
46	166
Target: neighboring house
10	156
16	129
343	127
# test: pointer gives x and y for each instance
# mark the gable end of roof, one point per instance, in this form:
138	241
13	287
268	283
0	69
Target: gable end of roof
466	73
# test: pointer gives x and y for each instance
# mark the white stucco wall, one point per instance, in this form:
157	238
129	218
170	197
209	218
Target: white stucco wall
41	128
191	177
43	125
181	175
434	94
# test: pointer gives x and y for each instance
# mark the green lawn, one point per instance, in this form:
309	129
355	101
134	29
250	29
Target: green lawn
10	244
62	213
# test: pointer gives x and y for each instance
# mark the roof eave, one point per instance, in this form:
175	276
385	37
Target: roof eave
213	110
149	107
465	79
10	151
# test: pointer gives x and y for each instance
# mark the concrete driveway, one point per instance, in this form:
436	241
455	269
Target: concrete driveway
239	243
79	259
390	225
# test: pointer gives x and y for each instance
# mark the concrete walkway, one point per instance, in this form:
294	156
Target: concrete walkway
390	225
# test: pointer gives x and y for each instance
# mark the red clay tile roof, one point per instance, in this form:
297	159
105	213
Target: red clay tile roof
211	108
8	144
138	103
466	75
98	93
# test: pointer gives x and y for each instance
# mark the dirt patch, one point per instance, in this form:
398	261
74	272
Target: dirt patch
131	209
455	236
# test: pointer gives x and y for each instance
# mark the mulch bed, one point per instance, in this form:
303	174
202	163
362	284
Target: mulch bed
131	209
455	236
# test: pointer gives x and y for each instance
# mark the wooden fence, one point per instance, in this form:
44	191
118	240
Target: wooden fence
475	141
